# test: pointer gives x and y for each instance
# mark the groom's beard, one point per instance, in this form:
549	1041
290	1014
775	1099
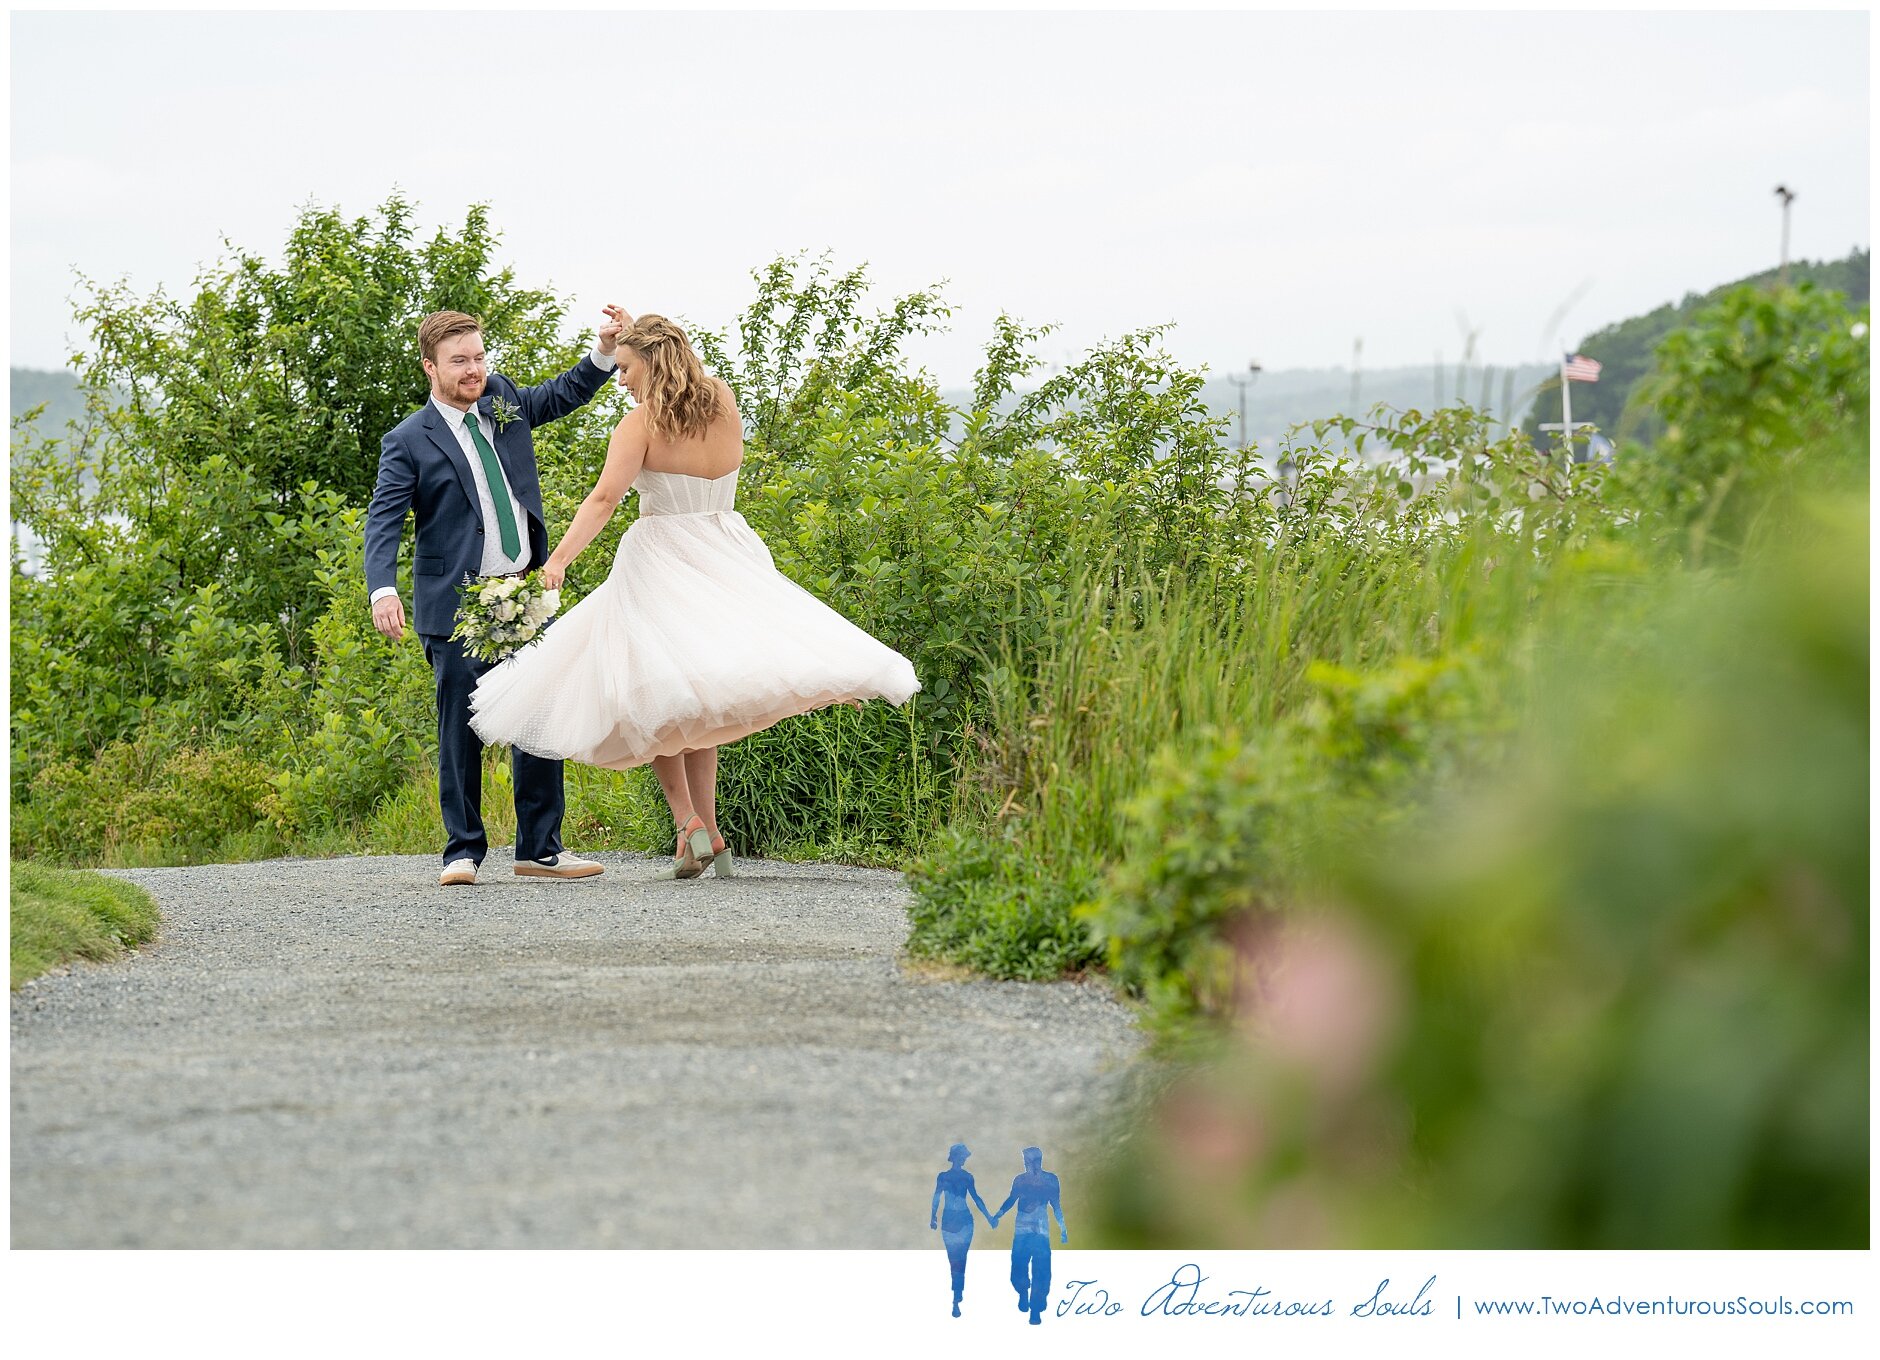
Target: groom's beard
465	390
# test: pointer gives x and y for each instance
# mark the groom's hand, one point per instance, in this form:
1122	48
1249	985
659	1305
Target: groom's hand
617	323
388	616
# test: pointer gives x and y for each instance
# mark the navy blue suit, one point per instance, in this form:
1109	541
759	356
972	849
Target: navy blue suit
423	469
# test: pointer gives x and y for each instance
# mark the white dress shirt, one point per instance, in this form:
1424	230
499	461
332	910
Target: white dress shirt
495	561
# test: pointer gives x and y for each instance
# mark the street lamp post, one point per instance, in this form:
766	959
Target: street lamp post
1787	196
1253	371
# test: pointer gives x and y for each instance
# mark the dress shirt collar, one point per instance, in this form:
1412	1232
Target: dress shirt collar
451	414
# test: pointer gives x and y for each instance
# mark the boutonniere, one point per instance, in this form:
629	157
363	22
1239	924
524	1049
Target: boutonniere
502	411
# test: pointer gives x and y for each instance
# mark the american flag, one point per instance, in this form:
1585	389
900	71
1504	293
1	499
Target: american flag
1579	368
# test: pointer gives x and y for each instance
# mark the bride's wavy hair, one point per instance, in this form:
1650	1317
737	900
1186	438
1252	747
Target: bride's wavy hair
681	402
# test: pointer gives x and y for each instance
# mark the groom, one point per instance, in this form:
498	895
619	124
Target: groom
465	464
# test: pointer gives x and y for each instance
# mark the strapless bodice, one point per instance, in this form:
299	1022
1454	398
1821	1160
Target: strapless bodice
680	493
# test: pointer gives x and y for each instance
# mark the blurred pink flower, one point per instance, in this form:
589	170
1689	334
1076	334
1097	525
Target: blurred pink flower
1325	999
1294	1216
1207	1138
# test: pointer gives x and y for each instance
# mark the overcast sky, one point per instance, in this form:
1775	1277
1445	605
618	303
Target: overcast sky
1275	184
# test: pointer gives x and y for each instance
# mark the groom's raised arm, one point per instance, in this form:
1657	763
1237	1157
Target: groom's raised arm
570	392
574	389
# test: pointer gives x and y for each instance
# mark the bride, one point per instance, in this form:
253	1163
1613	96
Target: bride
695	639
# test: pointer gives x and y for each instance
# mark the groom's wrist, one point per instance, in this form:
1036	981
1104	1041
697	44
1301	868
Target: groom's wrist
604	362
381	593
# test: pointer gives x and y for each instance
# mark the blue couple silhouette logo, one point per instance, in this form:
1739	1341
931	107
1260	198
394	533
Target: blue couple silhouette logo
1035	1195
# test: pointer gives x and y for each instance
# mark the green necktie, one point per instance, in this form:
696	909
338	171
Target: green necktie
499	491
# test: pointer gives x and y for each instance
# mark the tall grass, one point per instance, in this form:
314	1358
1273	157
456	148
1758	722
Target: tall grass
1134	664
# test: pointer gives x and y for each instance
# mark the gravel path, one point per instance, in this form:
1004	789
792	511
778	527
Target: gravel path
339	1053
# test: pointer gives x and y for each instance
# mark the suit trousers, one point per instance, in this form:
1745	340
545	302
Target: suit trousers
538	782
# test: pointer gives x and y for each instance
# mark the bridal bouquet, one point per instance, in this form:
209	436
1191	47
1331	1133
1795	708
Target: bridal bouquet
503	614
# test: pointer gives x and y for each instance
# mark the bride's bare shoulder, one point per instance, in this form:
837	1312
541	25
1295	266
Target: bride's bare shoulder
630	433
726	395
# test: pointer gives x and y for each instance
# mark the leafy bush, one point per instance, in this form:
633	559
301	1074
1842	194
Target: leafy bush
861	783
339	772
136	803
1229	831
1356	566
201	531
1748	389
982	900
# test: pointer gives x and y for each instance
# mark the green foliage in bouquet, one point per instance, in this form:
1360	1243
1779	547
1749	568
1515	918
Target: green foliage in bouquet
500	615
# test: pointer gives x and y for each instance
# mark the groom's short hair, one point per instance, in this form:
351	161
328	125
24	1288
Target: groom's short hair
440	326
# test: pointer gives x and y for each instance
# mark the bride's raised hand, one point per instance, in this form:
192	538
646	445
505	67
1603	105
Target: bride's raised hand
615	326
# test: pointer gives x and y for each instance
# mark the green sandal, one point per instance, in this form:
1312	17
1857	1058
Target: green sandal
695	847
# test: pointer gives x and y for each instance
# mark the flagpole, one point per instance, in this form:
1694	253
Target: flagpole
1566	408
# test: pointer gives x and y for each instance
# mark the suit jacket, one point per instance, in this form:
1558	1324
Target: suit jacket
422	468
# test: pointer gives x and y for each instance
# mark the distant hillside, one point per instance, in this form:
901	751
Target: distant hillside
58	389
1286	397
1624	349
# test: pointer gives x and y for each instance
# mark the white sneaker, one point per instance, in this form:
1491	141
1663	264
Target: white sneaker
458	871
563	865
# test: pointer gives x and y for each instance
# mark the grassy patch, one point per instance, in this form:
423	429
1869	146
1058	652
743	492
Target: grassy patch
64	914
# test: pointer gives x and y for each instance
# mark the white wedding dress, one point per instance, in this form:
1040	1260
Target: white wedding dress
695	639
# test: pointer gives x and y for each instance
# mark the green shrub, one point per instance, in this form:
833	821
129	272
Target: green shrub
202	536
139	803
338	773
987	902
861	782
1229	831
70	809
1072	722
1755	384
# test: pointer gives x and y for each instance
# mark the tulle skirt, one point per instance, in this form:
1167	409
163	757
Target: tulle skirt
695	639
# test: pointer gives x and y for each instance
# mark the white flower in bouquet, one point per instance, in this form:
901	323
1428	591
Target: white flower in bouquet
499	615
